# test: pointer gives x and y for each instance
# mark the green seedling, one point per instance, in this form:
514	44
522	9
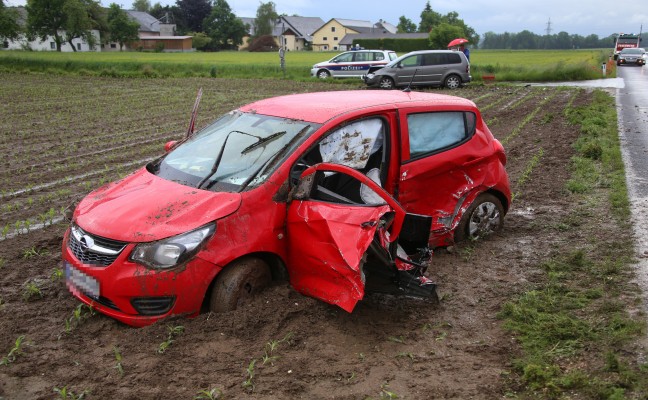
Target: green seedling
34	252
173	332
2	262
386	394
405	355
31	290
65	394
212	394
81	313
249	382
14	352
118	359
57	274
395	339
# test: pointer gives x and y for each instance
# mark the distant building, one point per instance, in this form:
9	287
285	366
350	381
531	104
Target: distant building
294	33
153	35
329	35
23	43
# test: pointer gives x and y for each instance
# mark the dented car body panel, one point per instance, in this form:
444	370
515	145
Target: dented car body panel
318	185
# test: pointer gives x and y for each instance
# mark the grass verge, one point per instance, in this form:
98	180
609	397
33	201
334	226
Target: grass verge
574	325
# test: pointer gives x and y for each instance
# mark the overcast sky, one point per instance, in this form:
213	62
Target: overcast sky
601	17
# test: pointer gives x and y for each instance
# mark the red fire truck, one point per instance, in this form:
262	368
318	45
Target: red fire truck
626	40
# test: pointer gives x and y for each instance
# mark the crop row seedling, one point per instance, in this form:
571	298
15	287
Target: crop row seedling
173	331
66	394
516	131
14	352
80	314
32	289
269	356
118	360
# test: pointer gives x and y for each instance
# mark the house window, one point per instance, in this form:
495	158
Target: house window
52	45
78	46
335	38
335	47
325	38
325	47
332	29
113	45
5	44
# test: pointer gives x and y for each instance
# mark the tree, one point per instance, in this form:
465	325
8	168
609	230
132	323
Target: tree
64	20
123	30
443	34
142	5
200	40
452	18
193	13
264	22
429	19
405	25
9	27
46	18
224	28
82	16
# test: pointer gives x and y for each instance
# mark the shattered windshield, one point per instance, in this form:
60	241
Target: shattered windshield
233	153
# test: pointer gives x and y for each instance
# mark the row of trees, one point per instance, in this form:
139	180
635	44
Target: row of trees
530	40
67	20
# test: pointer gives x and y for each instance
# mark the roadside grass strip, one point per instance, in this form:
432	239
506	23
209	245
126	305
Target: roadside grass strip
574	325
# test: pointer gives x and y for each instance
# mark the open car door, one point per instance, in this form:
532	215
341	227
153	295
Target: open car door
329	236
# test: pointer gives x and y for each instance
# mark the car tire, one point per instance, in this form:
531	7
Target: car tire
484	216
386	83
323	74
452	82
238	283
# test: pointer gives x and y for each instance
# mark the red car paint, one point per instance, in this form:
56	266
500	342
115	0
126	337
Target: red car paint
320	243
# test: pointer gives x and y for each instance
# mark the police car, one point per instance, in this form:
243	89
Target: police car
353	63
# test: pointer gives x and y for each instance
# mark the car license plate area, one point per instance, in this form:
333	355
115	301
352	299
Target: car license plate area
82	282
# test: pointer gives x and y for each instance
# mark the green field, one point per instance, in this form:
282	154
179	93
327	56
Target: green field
506	65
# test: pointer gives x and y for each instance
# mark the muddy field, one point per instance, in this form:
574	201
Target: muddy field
63	136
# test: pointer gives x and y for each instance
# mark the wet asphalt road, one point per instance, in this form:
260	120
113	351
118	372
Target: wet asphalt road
632	109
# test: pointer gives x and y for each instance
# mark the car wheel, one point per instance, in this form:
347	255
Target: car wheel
452	82
238	283
618	64
323	74
484	216
386	82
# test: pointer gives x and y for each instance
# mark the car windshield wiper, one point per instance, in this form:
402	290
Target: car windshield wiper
261	141
218	159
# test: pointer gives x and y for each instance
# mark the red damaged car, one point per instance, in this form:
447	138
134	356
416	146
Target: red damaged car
342	193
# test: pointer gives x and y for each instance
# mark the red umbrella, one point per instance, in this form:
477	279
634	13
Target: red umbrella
457	42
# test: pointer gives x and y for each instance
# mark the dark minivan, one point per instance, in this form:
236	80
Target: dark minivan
445	68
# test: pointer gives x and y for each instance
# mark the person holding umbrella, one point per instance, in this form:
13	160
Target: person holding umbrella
460	43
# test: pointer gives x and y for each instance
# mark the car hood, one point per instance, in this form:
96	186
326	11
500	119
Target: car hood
143	207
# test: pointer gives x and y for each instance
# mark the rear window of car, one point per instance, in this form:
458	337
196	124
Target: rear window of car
441	58
432	132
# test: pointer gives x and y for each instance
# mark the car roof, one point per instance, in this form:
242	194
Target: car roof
319	107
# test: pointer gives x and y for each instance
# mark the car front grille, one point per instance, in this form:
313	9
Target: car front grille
94	250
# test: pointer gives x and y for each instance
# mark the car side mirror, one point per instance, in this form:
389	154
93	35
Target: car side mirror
169	145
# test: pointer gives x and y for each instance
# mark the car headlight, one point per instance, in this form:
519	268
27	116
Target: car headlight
371	76
173	251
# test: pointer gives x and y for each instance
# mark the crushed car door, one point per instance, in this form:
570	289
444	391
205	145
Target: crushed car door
327	240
